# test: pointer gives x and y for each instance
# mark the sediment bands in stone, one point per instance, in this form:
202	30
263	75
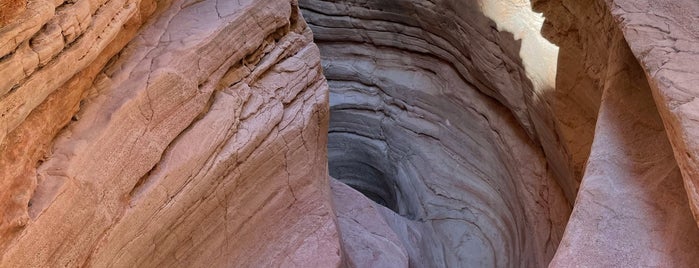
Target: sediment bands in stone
413	127
311	133
211	122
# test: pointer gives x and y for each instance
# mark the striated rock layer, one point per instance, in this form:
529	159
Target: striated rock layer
190	133
46	73
429	117
410	81
211	122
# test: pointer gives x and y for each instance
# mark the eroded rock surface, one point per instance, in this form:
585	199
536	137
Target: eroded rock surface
396	69
368	241
664	42
429	118
43	81
10	9
212	121
631	209
189	133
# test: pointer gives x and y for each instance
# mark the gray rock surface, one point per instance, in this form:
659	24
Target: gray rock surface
418	124
367	240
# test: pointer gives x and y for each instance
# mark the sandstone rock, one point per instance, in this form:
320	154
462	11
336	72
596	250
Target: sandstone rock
9	9
413	125
30	72
631	209
367	239
663	37
209	123
28	143
195	133
376	96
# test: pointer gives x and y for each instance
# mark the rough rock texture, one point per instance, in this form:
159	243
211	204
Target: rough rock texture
209	123
428	117
10	9
631	210
664	42
631	199
406	75
201	133
40	97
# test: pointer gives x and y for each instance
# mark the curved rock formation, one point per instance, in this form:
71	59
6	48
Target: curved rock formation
397	73
667	53
194	133
209	123
418	124
631	209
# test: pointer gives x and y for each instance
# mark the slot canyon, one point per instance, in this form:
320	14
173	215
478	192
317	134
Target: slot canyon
349	133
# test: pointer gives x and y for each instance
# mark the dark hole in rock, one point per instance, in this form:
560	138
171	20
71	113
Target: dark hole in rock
355	169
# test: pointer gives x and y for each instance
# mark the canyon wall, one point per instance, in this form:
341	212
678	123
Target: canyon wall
317	133
430	118
664	43
174	150
632	208
615	136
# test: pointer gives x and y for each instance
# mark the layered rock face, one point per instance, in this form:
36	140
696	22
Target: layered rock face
631	209
181	148
406	87
403	133
429	118
51	53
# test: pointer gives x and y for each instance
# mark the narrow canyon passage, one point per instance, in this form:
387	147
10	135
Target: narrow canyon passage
446	121
412	128
349	133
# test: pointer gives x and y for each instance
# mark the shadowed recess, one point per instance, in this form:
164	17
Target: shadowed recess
428	118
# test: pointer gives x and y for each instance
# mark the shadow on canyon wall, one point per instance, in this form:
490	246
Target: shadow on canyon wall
431	116
631	197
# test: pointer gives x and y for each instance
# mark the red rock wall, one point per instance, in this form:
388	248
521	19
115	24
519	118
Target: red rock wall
141	133
28	143
10	9
201	142
631	208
